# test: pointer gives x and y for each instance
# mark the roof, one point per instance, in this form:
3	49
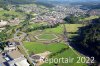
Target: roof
17	43
21	61
15	54
11	44
35	57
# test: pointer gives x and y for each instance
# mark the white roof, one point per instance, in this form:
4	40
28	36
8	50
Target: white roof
3	23
22	63
19	62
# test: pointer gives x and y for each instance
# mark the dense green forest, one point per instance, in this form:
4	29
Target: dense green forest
89	38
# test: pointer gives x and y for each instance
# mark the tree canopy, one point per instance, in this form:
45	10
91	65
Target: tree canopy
89	37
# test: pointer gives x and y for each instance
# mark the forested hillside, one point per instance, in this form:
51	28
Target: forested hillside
89	38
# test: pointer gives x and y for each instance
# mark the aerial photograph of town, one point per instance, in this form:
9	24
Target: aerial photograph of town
49	32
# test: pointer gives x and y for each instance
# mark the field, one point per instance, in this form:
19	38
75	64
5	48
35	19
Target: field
73	27
57	30
34	25
35	47
89	18
10	14
51	31
54	47
46	36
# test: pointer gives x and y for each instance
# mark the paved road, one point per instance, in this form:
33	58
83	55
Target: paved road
21	37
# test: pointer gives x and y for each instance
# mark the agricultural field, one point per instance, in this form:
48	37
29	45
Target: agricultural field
46	36
35	46
73	27
38	47
89	18
35	25
57	30
49	33
10	14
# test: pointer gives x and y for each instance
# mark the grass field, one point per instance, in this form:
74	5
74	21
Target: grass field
55	47
89	18
46	36
10	13
73	27
39	47
57	30
34	25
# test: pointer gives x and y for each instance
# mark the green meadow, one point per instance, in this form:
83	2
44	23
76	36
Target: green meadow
10	14
39	47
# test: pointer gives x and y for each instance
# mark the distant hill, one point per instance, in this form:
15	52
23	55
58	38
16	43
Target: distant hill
16	1
71	0
92	5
